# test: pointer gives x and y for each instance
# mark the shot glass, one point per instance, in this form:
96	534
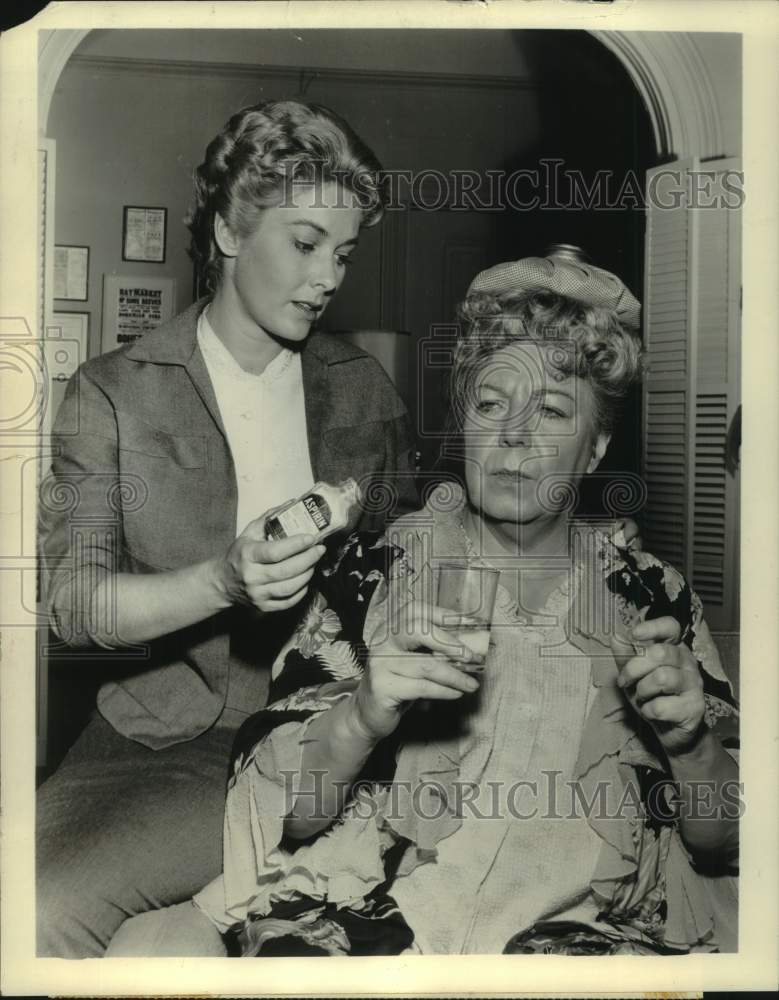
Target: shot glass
468	590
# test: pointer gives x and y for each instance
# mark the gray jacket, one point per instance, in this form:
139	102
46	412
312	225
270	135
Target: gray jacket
143	481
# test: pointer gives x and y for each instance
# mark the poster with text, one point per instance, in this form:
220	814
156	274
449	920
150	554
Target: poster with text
134	305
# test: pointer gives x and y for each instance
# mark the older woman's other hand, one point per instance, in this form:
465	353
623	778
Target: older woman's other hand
268	575
401	670
664	684
625	534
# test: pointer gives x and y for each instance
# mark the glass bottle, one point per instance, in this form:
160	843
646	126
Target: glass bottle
320	511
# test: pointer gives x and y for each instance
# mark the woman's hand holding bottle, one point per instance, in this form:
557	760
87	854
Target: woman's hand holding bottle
267	575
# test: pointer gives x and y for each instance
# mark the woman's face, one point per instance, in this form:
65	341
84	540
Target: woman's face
281	277
528	433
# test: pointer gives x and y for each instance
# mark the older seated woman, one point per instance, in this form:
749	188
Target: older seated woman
575	795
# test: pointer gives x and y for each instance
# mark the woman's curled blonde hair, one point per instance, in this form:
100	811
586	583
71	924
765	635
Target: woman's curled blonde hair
586	341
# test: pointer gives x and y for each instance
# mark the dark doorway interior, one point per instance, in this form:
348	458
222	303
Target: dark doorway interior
570	142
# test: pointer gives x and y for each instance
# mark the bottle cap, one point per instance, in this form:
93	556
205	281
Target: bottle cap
350	491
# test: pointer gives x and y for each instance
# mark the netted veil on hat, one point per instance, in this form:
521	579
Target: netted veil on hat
564	272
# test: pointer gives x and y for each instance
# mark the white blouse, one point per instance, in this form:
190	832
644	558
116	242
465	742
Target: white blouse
519	856
264	417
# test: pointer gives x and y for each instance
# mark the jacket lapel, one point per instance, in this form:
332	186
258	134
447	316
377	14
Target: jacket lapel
316	396
198	373
175	343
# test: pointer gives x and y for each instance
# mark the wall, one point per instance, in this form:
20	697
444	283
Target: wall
477	53
123	139
133	135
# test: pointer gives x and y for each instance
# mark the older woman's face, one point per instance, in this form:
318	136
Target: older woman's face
528	432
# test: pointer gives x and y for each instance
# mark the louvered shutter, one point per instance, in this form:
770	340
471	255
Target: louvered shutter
691	324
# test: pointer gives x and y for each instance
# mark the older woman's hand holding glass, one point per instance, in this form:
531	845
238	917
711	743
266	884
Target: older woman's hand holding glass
400	671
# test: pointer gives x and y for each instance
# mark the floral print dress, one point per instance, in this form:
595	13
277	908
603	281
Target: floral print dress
639	891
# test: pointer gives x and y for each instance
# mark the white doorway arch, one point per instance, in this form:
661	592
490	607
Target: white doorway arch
672	78
55	48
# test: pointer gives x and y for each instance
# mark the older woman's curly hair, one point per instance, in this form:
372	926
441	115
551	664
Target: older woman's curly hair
585	340
258	155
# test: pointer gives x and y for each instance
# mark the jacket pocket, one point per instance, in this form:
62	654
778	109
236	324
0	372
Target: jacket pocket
162	530
139	438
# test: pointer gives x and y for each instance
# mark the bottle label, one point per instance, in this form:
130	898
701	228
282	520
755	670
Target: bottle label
316	513
303	518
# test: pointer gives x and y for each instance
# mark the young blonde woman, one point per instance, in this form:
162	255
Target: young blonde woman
169	451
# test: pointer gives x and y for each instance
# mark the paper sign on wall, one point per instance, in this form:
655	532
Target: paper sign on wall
132	305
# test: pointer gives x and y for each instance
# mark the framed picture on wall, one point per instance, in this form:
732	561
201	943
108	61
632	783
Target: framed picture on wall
71	326
133	304
65	346
71	272
143	234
